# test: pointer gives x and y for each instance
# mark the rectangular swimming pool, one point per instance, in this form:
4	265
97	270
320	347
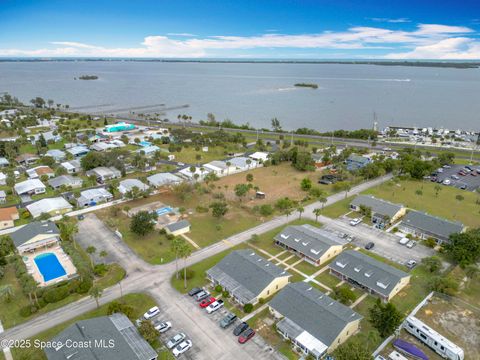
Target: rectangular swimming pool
164	210
49	266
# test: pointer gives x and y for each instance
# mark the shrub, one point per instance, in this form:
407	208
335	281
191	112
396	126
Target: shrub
247	308
266	210
56	294
190	274
261	301
100	269
218	288
28	310
225	294
430	242
201	209
116	307
2	272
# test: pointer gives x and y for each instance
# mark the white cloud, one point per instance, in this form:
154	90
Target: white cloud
181	34
434	40
389	20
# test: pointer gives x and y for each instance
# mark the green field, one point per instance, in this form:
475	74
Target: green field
139	302
444	205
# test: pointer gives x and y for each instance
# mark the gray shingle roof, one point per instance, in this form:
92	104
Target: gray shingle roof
178	225
66	180
358	159
313	311
431	224
367	271
308	240
378	206
129	345
245	274
33	229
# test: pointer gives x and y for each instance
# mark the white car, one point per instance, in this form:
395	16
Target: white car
174	341
181	348
161	326
404	241
214	306
446	182
455	177
355	222
411	244
154	311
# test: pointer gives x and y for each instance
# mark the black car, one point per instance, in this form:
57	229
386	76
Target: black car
463	187
240	328
369	246
194	291
325	182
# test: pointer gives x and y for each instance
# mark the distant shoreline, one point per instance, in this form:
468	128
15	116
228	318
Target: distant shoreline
419	63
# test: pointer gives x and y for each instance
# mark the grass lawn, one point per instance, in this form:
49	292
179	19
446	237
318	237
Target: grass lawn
338	209
470	288
306	268
153	247
9	311
139	302
329	280
199	269
189	155
466	211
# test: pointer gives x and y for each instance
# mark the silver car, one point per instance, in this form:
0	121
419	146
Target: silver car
174	341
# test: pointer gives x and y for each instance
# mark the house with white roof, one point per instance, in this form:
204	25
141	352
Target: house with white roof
220	168
149	150
57	155
72	166
4	162
201	172
92	197
242	163
31	187
52	206
103	173
3	179
39	171
129	184
259	156
65	180
78	151
162	179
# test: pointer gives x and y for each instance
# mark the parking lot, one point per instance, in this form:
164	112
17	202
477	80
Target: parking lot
470	182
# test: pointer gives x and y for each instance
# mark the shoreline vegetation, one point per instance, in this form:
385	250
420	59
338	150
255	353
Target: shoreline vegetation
313	86
87	77
421	63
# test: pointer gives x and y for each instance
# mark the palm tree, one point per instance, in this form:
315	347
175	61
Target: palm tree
90	251
175	245
248	163
317	213
300	210
228	167
287	212
323	200
184	252
103	254
96	293
68	229
6	292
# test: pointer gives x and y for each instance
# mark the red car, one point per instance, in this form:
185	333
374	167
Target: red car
246	335
205	302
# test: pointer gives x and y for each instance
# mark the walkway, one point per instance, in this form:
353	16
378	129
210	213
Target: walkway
193	243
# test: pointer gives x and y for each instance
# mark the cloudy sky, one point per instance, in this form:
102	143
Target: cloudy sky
301	29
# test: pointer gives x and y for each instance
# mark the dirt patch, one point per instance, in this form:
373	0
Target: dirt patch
455	320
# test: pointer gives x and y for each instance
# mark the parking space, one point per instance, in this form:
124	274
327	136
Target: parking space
386	244
452	176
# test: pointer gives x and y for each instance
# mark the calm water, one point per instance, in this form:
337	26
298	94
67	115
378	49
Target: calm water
346	98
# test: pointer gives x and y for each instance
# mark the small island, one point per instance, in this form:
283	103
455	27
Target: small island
88	77
313	86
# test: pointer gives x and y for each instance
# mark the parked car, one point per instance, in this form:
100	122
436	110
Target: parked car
473	173
446	182
324	182
154	311
162	326
175	340
205	302
440	170
446	166
228	320
194	291
80	217
404	241
370	245
240	328
355	222
455	177
201	295
463	187
182	347
469	168
246	335
214	306
411	244
411	264
478	171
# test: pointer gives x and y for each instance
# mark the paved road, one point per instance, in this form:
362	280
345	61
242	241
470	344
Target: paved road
210	341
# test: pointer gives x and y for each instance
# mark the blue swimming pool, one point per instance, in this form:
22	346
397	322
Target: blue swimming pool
49	266
144	143
164	210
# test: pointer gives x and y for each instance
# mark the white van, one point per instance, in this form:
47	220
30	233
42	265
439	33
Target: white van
404	241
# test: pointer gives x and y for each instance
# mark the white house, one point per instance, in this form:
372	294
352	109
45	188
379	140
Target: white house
242	163
219	167
51	206
72	166
259	156
198	171
128	184
57	155
162	179
3	179
92	197
31	187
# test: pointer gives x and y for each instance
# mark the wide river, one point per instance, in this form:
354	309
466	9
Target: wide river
346	98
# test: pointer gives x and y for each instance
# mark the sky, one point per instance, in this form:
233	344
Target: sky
242	29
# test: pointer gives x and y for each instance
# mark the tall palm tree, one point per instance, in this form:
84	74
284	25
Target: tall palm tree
175	245
6	292
228	167
323	200
90	251
184	252
300	210
317	213
96	293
